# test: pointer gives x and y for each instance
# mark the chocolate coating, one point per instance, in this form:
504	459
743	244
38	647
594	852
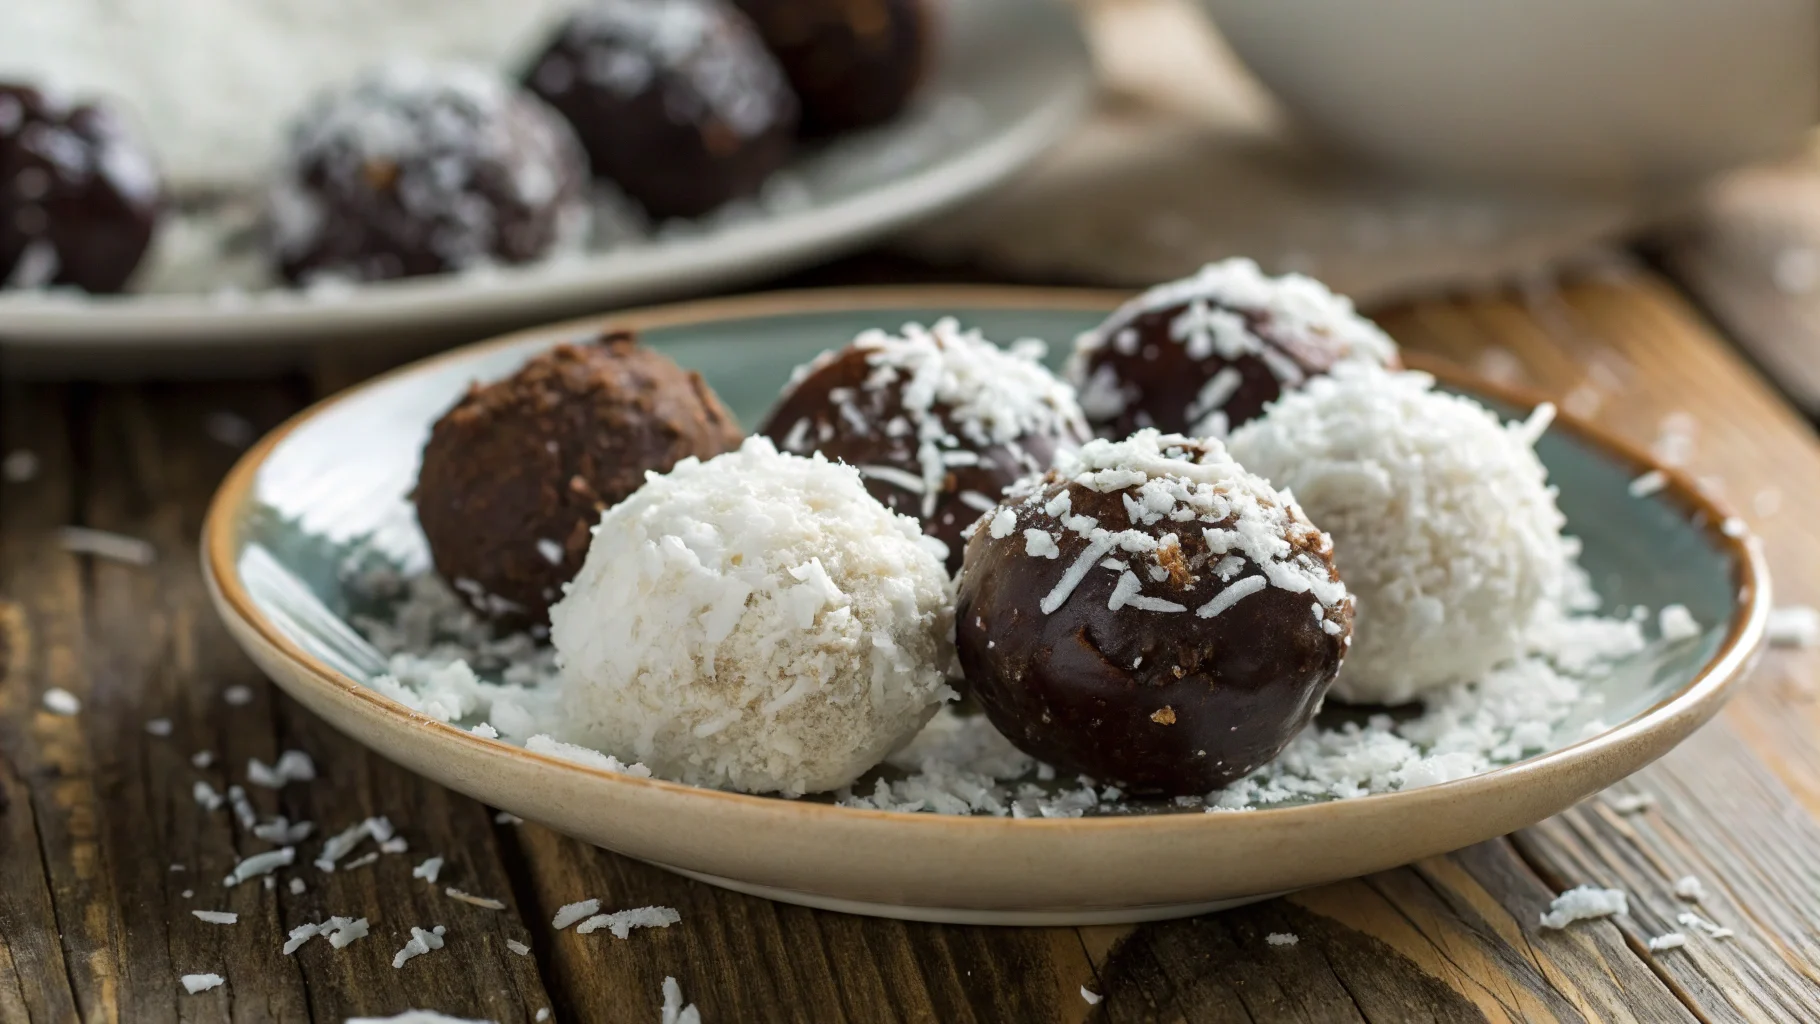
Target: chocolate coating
1141	369
521	469
853	63
421	170
1157	701
676	101
810	418
79	195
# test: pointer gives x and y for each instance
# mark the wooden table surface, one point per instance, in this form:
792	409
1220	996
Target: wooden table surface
100	838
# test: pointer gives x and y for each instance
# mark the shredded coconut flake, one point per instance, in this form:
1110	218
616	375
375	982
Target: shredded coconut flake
216	916
674	1011
1585	903
1666	941
1648	484
569	913
1689	888
59	701
1796	625
421	942
479	901
260	864
428	870
1677	624
112	547
621	923
194	983
1092	998
1689	919
158	727
1282	938
518	947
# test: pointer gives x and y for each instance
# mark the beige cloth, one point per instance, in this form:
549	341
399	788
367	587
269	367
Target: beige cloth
1186	160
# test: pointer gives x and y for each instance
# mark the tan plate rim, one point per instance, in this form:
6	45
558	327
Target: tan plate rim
1681	712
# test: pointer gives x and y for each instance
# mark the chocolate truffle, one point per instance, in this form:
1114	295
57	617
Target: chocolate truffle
677	101
417	169
79	194
1204	354
1150	613
516	475
853	63
939	420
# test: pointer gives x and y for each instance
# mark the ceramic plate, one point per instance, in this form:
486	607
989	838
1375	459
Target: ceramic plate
335	479
1013	77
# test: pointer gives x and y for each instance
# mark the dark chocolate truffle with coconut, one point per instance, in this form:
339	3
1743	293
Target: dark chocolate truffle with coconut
421	169
517	474
1204	354
938	420
79	194
677	101
1150	613
853	63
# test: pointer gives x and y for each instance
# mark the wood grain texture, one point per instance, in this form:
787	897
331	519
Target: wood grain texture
93	925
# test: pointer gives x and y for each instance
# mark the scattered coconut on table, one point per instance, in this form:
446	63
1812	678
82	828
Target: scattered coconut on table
1689	888
206	797
238	695
569	913
518	947
428	870
261	864
1666	941
216	916
1093	998
1282	938
1584	903
1689	919
621	923
112	547
674	1011
1794	625
292	766
421	942
194	983
479	901
160	727
417	1017
59	701
20	466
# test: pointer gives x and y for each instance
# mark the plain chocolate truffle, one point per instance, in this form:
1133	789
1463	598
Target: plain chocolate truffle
419	169
517	474
1204	354
938	420
1150	614
79	194
676	101
853	63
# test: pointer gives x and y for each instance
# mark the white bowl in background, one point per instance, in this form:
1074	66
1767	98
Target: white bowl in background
1589	92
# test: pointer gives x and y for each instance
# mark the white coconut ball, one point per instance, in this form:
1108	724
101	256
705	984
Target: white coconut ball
1443	523
755	622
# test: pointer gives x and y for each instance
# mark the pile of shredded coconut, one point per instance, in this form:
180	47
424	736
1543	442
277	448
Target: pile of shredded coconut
757	622
953	394
1218	300
1443	523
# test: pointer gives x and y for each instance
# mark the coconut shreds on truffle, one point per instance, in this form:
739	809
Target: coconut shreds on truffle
421	942
569	913
621	922
1442	520
1667	940
1294	306
1584	904
674	1010
1282	938
194	983
1194	483
757	621
960	394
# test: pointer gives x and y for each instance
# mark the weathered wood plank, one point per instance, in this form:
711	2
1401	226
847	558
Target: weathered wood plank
38	589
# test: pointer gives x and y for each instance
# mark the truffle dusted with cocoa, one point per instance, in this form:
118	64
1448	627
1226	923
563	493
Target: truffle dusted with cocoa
1150	613
1204	354
517	474
938	420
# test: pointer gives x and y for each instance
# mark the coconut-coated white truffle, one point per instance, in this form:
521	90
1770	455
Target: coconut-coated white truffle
1443	524
754	622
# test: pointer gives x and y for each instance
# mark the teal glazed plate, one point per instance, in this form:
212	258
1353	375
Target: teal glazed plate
334	480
